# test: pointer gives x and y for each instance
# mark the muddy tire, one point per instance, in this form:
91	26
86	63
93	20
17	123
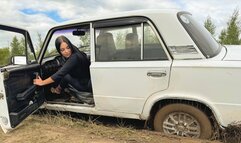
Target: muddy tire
182	120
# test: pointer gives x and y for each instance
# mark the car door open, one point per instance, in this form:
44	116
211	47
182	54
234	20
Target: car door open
18	96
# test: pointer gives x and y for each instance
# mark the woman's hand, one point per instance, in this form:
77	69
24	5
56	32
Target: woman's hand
38	81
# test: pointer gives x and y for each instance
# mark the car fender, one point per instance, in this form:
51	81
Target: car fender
157	97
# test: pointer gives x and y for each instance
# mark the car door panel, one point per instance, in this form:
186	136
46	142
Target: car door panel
136	82
22	96
18	96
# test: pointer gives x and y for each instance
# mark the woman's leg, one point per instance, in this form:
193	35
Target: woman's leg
73	82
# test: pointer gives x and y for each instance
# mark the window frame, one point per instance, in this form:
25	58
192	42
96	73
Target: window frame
41	56
160	39
201	37
27	43
127	21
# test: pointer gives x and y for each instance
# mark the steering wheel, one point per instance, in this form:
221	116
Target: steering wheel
59	60
54	64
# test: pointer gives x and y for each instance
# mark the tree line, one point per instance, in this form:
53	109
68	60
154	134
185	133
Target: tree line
17	48
229	35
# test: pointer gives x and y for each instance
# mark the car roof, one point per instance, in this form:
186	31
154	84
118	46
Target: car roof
144	13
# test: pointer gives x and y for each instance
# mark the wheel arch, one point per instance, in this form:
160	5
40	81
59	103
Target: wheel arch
204	107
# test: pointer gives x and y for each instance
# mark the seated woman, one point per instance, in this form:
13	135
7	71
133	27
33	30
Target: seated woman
75	71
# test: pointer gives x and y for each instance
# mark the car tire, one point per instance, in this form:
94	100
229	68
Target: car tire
182	120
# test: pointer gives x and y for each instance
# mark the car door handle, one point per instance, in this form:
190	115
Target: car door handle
156	74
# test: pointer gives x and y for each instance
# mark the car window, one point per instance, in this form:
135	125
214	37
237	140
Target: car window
11	44
153	49
122	43
125	43
200	35
82	42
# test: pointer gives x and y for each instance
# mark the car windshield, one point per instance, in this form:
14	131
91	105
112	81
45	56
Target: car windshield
81	41
200	35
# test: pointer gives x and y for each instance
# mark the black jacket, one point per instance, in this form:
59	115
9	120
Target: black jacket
77	66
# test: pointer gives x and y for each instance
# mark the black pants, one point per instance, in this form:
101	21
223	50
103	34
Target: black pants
79	85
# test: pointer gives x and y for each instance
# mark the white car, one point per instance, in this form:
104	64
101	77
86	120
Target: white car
155	65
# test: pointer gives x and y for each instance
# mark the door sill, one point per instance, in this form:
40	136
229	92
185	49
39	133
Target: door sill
70	103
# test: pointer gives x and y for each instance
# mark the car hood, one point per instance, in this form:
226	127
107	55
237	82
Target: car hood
233	53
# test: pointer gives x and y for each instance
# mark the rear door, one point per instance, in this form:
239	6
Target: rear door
18	67
131	64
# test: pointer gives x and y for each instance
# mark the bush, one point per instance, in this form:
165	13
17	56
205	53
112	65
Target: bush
232	133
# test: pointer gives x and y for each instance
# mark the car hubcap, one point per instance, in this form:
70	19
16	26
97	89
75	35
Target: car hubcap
181	124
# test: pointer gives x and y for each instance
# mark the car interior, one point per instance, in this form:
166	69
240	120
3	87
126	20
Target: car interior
52	61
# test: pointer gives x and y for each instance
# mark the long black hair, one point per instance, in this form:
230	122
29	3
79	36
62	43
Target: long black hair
73	48
61	39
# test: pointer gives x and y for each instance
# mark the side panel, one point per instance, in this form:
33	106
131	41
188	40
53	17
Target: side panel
216	82
213	83
125	86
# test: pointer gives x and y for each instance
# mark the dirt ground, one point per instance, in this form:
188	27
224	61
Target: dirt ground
62	129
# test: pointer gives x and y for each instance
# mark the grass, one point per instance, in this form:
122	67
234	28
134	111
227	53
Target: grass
92	126
232	133
58	127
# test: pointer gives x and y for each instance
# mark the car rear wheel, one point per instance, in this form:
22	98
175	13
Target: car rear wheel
183	120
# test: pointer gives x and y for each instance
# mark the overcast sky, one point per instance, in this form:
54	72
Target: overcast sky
40	15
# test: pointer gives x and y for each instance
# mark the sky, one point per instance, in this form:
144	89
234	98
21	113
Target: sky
38	16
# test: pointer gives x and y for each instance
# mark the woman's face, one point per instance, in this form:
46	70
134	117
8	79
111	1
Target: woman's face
65	50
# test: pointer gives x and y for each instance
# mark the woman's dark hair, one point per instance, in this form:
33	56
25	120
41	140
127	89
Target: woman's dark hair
73	48
61	39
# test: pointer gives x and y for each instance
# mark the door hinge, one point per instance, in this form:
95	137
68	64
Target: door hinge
1	96
4	120
6	75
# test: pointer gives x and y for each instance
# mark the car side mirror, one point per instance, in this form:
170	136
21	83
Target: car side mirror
19	60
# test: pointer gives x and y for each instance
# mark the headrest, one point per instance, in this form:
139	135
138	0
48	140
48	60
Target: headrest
131	40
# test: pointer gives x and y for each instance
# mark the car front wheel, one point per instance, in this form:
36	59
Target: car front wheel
183	120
